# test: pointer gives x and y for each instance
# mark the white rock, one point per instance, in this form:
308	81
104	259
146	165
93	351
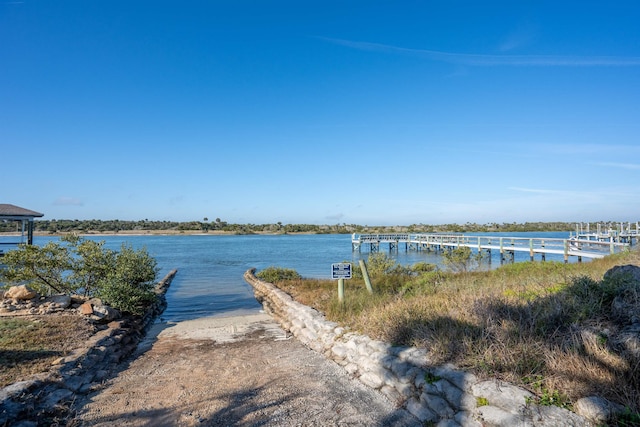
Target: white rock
460	379
594	408
466	419
496	417
371	379
554	416
421	411
340	351
20	293
351	368
438	405
502	395
62	301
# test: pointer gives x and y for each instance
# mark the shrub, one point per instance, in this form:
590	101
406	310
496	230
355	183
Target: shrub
129	287
275	274
124	280
423	267
458	259
379	264
43	268
125	296
91	263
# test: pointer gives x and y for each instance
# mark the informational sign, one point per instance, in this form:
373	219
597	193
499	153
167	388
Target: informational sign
341	270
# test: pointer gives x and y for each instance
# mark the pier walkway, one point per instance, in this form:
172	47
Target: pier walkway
507	246
621	233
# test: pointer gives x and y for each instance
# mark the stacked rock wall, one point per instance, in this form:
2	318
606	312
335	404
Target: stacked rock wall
440	395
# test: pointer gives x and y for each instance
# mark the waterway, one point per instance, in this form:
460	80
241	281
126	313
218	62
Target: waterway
211	267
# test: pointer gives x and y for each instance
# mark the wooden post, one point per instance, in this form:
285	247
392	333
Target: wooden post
566	251
341	291
531	249
365	275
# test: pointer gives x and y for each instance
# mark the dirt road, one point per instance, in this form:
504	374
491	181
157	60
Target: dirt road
234	371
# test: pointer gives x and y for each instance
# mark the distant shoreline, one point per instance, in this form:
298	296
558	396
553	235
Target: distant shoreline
155	233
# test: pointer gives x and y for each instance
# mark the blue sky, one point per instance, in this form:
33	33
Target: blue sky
371	113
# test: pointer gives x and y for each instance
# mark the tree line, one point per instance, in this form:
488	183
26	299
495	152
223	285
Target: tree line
114	226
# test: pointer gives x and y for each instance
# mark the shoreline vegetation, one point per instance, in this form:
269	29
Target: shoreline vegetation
146	227
562	331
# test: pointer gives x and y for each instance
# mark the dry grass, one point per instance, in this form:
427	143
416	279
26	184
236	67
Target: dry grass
546	326
29	345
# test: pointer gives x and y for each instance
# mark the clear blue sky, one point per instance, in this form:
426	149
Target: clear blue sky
321	112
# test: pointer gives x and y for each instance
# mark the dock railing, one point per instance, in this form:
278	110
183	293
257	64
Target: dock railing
505	244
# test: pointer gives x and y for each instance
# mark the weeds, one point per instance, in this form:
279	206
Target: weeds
628	418
551	398
431	378
482	401
551	327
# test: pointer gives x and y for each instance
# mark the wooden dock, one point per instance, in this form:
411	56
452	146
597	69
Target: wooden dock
620	232
507	246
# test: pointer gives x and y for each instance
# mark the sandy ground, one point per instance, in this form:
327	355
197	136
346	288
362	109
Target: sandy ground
233	371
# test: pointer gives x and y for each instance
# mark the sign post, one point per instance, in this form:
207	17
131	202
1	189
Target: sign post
341	271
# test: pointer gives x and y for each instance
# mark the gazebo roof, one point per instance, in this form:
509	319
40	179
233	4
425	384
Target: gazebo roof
16	212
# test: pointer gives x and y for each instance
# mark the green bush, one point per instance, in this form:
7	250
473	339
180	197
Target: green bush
379	264
125	296
124	280
91	263
275	274
43	268
129	287
458	259
423	267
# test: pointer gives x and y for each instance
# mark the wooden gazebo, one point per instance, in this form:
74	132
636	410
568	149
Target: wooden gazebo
22	215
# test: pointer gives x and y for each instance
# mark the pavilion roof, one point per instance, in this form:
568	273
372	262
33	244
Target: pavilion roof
11	211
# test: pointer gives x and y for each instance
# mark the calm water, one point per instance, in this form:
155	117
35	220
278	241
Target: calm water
210	267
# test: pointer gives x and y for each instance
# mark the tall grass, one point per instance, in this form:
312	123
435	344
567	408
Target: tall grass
548	326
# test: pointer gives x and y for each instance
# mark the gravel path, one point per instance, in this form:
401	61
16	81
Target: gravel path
234	371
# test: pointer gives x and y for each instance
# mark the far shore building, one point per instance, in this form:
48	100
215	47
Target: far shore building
24	217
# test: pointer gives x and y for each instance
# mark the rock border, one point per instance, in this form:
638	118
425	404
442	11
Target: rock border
47	398
439	395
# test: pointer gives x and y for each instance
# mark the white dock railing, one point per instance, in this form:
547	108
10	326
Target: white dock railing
582	248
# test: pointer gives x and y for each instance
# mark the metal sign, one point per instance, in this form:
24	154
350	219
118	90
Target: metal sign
341	270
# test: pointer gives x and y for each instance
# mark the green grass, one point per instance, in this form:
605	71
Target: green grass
28	346
545	320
